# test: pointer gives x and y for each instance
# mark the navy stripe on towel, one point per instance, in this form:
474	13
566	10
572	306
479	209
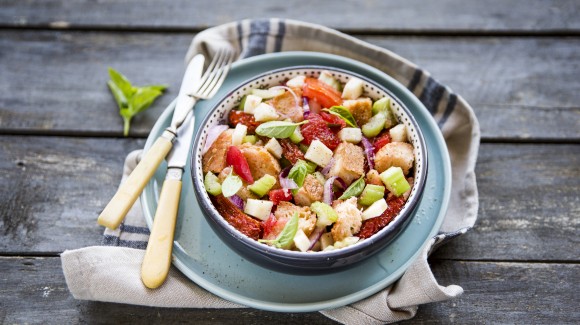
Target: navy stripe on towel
448	109
109	240
431	95
280	36
134	230
259	30
415	80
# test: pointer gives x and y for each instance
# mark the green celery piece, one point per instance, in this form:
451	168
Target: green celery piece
371	194
395	180
262	186
374	126
326	214
212	184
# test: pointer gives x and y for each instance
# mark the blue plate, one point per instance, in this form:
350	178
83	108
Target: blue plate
208	262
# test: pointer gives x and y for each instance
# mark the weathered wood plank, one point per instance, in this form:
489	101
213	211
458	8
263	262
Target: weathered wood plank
389	16
529	205
532	97
34	291
55	188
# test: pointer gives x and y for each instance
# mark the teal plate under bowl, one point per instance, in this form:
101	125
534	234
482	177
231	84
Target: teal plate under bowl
206	260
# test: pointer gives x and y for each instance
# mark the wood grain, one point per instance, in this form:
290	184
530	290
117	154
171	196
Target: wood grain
541	292
533	98
56	188
356	16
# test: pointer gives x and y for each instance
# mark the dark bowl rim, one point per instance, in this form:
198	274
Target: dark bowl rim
395	226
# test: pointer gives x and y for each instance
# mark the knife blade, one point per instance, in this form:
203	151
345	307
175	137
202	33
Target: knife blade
157	260
129	191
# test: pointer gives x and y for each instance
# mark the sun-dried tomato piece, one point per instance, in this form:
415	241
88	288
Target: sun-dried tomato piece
334	122
246	119
235	217
382	140
317	128
291	151
372	226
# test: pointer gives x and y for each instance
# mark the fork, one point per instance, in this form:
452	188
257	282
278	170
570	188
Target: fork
129	191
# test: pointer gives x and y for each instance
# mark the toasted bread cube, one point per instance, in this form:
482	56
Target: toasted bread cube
214	160
349	220
349	162
311	191
361	109
398	154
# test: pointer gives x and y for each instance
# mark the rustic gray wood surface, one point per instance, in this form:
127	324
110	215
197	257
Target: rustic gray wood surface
61	144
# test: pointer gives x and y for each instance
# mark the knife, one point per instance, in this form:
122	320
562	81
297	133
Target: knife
129	191
157	260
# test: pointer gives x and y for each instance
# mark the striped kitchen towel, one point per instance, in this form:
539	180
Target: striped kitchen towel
111	272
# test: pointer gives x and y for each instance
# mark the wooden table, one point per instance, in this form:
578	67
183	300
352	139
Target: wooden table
61	145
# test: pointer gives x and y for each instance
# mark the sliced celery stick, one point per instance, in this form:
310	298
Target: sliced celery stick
263	185
296	137
395	180
326	214
381	105
212	184
374	126
371	193
250	138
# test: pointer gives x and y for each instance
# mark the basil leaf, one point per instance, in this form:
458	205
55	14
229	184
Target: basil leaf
355	189
231	185
286	236
277	129
344	114
298	172
130	99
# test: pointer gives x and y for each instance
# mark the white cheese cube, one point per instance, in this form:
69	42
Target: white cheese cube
326	240
398	133
301	241
346	242
352	135
259	208
353	89
274	147
318	153
296	82
239	133
375	210
265	112
251	102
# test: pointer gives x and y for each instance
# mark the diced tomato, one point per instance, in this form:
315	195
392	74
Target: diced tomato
268	225
323	93
236	159
279	195
381	140
334	122
237	117
317	128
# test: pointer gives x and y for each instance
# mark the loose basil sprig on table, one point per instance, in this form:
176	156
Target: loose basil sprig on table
285	238
131	99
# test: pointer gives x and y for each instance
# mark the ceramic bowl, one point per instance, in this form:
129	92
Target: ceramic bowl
296	262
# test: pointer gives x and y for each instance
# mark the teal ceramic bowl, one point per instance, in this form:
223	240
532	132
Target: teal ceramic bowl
297	262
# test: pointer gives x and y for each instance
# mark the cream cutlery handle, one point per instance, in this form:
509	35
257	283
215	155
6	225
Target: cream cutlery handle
157	258
128	192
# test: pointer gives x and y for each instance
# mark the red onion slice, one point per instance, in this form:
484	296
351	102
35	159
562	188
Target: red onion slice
237	201
315	236
212	135
328	167
369	152
328	194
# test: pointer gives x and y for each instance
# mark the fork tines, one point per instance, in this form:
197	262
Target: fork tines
215	74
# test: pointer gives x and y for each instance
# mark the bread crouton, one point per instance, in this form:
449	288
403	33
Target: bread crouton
374	178
285	105
399	154
307	218
311	191
214	160
260	161
361	109
349	220
349	162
